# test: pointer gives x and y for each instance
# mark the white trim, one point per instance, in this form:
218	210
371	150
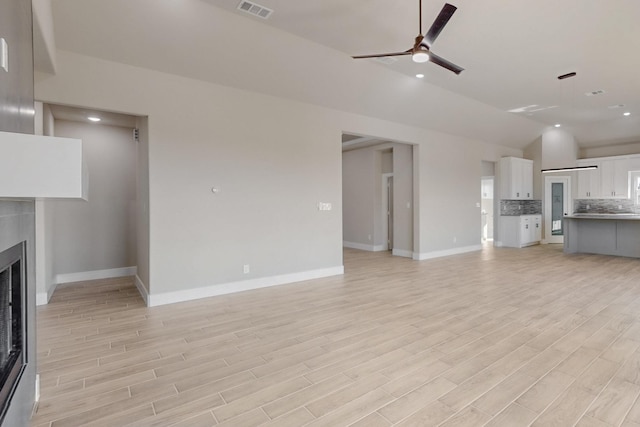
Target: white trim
402	252
385	209
446	252
96	274
43	298
363	247
548	180
244	285
142	290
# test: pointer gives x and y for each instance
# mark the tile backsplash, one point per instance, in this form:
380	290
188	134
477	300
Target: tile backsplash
612	206
520	207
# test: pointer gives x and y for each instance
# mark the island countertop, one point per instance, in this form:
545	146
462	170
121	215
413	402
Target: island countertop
606	234
622	217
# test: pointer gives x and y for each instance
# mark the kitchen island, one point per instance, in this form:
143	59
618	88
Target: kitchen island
606	234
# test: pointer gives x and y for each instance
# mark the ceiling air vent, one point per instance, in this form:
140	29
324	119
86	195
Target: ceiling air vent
255	9
531	108
595	93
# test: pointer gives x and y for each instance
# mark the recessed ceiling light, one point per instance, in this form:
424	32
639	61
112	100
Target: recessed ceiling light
420	76
557	125
627	113
94	119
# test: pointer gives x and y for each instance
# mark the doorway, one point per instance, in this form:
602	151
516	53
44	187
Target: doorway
486	208
557	197
378	194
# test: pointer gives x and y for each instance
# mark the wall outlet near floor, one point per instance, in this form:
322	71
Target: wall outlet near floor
246	269
588	207
455	239
619	207
369	237
324	206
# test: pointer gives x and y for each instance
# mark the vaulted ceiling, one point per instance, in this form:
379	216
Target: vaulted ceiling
512	52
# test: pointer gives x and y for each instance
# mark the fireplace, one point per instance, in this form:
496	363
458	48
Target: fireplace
13	341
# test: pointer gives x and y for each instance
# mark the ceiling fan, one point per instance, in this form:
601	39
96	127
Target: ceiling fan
421	50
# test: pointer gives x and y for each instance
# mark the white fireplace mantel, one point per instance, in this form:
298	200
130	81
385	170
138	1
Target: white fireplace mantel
40	167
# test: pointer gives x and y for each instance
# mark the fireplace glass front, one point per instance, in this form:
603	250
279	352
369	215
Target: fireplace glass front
12	322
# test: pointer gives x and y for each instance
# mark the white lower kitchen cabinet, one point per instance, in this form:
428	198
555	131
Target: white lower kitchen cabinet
520	231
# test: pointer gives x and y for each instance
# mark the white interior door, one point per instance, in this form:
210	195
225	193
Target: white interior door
557	204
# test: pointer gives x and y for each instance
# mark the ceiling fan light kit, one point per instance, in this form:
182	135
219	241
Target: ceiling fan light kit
420	55
421	50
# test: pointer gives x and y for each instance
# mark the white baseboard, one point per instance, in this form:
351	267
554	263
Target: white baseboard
402	253
142	289
363	247
244	285
446	252
95	274
43	298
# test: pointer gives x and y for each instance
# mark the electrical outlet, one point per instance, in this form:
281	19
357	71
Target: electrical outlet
619	207
246	269
455	239
588	207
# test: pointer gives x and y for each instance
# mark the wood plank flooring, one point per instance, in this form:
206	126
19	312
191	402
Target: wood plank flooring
502	337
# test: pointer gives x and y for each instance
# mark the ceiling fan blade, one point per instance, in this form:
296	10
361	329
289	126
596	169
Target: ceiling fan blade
382	55
439	23
444	63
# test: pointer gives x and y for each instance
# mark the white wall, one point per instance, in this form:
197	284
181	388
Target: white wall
273	160
610	150
359	174
142	206
403	200
559	149
98	234
449	176
45	274
364	219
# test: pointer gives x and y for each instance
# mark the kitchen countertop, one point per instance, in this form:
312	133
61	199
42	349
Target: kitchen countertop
625	217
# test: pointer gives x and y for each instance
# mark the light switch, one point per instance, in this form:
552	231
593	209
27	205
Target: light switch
4	55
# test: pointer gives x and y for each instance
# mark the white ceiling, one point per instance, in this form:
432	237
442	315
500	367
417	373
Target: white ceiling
512	52
73	114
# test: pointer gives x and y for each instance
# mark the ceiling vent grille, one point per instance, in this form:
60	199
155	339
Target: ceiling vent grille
255	9
531	108
595	93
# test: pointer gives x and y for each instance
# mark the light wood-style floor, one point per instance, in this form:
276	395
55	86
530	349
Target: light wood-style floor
502	337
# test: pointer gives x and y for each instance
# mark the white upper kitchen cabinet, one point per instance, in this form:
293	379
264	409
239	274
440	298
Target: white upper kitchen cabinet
516	178
609	181
589	180
614	178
